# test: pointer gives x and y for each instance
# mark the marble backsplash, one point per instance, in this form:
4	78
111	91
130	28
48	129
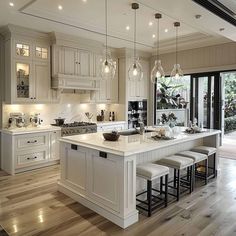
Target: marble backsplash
68	108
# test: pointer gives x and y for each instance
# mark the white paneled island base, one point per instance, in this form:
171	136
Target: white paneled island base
102	175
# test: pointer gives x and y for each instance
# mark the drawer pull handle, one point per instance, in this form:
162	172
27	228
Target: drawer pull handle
35	141
31	158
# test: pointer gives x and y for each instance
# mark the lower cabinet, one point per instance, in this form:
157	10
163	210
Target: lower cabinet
92	174
22	152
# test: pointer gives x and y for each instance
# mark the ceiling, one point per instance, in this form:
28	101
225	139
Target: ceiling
86	18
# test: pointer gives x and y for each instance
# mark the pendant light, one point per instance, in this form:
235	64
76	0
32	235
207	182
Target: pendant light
135	70
157	71
108	65
176	73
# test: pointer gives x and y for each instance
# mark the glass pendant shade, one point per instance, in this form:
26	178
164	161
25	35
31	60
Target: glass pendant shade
108	67
177	73
135	71
157	72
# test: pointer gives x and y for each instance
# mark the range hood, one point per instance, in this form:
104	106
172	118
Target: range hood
62	81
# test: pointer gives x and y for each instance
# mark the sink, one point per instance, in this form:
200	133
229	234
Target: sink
132	132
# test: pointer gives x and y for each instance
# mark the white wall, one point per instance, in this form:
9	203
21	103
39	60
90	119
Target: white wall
69	108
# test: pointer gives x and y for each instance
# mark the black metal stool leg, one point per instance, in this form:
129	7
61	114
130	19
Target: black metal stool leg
166	190
161	185
214	163
178	184
174	178
192	178
206	171
149	197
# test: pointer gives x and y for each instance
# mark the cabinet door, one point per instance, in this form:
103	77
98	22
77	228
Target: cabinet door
54	145
84	62
97	65
104	180
144	84
42	82
114	87
68	61
23	81
22	49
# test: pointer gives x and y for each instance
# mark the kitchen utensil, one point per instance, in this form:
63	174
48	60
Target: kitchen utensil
60	121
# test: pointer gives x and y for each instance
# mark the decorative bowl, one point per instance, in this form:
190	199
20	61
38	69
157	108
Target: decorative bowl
111	136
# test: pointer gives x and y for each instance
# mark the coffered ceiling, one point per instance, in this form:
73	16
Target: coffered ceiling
86	18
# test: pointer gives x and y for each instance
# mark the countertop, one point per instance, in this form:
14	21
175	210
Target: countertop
133	144
27	130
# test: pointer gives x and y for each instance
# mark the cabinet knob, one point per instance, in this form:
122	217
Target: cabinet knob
31	98
34	97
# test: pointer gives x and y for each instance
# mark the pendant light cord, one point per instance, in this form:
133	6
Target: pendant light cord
176	43
158	37
106	25
135	35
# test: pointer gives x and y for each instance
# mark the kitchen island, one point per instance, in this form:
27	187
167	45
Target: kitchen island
102	175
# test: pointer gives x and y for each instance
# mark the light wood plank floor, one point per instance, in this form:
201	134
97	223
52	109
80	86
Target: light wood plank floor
31	205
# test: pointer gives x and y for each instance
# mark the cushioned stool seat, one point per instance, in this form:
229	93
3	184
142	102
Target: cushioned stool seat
210	152
179	163
151	171
176	161
205	150
197	157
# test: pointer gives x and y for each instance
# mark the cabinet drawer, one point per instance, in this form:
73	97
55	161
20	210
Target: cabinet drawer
25	159
31	140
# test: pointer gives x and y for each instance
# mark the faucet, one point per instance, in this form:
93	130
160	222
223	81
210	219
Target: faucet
142	128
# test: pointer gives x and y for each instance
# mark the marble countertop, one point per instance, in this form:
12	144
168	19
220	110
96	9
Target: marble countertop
27	130
133	144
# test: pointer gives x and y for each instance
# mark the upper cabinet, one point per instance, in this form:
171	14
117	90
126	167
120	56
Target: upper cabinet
138	90
108	88
27	66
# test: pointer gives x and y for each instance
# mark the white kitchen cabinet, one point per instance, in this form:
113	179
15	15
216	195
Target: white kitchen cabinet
54	137
108	88
27	66
138	90
42	84
103	190
27	151
74	61
86	172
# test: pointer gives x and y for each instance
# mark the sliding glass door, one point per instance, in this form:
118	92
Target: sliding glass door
206	100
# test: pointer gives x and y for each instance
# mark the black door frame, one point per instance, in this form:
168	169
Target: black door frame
217	118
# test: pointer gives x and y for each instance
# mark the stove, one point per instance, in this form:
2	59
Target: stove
76	128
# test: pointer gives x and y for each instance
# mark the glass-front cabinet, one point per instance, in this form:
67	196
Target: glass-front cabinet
32	72
23	80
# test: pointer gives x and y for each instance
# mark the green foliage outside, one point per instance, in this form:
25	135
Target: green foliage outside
230	101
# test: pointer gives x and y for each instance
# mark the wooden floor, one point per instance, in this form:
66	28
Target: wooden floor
31	205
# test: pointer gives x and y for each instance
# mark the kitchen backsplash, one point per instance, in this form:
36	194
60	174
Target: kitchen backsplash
68	108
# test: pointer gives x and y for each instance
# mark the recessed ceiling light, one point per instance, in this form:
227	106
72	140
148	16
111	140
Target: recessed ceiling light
84	0
127	27
166	30
11	4
150	23
60	7
154	36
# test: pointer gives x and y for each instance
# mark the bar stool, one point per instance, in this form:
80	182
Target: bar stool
179	163
150	172
210	152
197	158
